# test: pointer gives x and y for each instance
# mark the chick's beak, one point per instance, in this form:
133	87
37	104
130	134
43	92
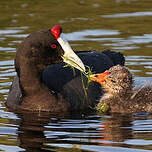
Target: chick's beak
100	78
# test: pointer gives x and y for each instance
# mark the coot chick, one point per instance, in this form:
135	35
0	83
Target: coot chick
119	92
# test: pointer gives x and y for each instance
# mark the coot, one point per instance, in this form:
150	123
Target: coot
120	94
43	83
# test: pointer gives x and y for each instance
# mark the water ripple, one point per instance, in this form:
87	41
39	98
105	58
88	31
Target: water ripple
122	15
83	35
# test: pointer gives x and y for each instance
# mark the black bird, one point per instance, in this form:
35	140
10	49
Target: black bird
55	88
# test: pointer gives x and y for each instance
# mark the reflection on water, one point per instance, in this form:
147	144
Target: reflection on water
146	38
136	14
120	25
91	133
83	35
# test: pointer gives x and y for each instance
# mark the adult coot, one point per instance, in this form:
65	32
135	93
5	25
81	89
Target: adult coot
35	53
55	88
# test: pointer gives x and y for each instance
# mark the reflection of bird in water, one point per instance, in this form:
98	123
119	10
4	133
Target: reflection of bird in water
116	128
120	96
30	131
40	132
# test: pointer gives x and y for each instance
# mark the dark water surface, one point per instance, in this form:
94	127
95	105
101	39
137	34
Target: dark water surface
120	25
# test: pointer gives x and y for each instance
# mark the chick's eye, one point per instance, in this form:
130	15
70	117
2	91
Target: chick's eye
53	46
113	81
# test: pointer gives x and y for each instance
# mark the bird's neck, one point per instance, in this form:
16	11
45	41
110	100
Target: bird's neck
30	80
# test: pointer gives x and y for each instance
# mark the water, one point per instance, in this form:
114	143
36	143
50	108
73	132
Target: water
120	25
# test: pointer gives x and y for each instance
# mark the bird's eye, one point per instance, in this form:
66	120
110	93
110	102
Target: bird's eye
53	46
